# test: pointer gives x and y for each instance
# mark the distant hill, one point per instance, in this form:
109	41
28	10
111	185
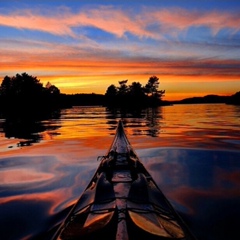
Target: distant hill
233	99
205	99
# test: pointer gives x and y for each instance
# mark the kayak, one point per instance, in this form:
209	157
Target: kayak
122	202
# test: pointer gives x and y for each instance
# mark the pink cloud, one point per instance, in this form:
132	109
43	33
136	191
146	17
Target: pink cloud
30	20
182	19
113	21
119	22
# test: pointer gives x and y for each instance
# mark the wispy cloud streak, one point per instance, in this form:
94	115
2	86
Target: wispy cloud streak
148	23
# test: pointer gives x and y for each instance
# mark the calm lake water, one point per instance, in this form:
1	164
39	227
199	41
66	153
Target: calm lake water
192	152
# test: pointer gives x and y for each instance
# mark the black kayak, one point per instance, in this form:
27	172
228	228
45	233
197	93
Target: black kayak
122	201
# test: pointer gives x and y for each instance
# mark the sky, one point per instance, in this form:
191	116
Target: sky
193	47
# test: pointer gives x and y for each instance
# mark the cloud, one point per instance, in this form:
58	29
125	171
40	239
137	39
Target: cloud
148	23
63	22
181	19
31	20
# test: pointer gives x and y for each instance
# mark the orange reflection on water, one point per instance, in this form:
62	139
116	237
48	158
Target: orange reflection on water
53	198
20	176
65	150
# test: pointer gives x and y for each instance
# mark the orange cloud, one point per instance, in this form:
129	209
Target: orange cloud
67	64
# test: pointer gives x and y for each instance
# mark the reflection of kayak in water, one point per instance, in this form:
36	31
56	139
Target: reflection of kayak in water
122	201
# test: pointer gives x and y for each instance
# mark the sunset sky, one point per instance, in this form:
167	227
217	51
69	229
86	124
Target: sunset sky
84	46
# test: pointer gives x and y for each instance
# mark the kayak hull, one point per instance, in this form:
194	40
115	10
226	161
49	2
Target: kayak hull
122	201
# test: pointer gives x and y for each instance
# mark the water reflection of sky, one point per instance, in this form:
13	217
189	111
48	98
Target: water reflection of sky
191	151
203	185
35	189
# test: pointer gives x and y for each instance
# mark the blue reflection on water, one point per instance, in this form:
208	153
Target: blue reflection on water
203	186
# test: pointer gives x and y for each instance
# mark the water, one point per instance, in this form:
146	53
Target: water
192	152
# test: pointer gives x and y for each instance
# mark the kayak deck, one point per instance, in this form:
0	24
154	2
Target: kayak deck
122	202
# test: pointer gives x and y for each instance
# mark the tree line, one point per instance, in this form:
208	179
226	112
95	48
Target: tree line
26	92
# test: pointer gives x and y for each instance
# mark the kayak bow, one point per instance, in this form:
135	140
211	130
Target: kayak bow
122	201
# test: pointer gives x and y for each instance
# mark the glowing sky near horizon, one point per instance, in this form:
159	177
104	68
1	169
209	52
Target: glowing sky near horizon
84	46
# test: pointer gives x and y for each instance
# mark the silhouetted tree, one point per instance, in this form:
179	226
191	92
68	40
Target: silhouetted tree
152	87
136	89
21	90
23	85
137	95
25	94
52	89
6	86
111	91
123	89
111	95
